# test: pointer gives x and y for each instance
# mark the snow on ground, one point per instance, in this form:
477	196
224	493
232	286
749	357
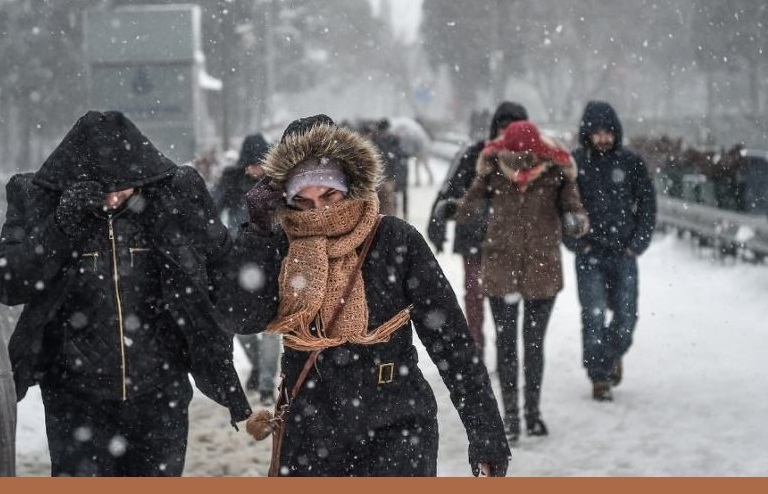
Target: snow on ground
693	401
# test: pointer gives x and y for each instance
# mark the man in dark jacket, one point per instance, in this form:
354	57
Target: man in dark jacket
618	195
109	246
468	236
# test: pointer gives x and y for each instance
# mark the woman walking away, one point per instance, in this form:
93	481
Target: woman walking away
347	288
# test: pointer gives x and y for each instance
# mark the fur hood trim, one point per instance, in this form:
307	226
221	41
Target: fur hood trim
356	155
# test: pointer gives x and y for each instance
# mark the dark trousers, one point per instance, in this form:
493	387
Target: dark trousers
607	281
473	298
145	436
535	320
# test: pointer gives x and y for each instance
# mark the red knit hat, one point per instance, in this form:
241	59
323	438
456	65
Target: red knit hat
524	136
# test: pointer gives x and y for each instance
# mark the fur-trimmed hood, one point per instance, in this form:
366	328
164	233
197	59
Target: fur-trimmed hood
356	155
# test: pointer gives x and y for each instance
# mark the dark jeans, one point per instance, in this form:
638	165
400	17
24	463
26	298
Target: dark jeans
607	282
535	320
145	436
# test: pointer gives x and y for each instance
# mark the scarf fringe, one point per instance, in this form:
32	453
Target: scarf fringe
299	337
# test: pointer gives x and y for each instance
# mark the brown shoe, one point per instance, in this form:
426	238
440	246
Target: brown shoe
616	372
601	391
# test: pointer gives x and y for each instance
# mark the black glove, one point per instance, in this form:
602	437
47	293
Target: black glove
77	201
436	232
446	209
498	468
263	200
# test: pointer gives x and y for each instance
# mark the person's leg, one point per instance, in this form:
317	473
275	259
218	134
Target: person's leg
270	345
623	292
536	315
84	439
592	296
505	317
155	427
473	298
7	424
250	344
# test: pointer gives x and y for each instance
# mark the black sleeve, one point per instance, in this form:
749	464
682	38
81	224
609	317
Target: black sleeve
442	328
247	281
33	251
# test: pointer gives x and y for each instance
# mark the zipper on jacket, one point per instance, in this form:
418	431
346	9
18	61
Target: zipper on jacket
119	303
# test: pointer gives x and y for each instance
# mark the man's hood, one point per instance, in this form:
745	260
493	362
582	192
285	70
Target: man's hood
507	110
105	147
599	115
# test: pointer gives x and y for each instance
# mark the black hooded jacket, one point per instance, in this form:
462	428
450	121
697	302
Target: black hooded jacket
128	307
469	235
615	188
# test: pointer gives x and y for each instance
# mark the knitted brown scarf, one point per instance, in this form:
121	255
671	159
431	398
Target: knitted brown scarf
322	256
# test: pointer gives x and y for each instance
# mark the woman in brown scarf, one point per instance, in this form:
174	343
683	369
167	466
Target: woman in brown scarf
347	288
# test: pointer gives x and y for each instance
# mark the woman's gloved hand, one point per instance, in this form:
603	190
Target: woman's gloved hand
263	200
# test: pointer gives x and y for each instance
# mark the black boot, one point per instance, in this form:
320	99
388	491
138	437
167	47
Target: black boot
512	427
535	426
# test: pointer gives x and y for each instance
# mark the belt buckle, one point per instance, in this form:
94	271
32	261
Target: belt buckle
386	373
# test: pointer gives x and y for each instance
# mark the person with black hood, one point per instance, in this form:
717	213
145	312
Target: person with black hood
263	349
347	288
110	246
469	235
620	201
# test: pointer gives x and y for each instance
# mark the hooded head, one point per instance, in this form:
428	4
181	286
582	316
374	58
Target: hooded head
523	136
105	147
599	115
315	147
253	150
506	113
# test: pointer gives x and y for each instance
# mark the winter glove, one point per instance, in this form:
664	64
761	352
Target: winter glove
263	200
496	468
446	209
575	225
486	164
436	232
77	201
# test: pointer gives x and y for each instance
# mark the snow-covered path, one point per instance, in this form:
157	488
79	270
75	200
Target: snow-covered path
693	402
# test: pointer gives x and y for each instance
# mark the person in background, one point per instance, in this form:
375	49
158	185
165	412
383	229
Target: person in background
8	318
393	193
110	246
263	349
530	183
619	197
347	288
469	234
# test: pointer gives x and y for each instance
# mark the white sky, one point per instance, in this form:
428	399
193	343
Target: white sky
693	401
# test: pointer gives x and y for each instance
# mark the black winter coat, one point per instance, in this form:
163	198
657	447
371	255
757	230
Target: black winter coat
342	397
468	235
165	242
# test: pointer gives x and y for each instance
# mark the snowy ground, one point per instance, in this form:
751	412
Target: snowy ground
693	401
